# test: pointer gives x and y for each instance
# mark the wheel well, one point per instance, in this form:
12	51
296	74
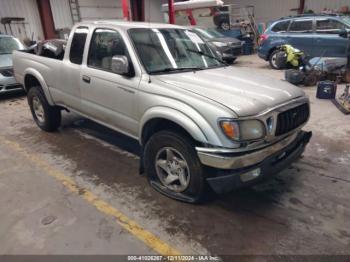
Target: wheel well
159	124
30	81
271	51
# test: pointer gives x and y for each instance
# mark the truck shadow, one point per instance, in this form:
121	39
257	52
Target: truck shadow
266	193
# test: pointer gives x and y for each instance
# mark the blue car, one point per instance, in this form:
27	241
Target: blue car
316	35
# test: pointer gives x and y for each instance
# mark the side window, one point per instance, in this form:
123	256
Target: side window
301	26
329	26
78	45
105	44
281	27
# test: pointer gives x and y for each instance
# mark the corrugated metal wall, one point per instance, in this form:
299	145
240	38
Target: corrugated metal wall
89	10
153	11
61	14
27	9
319	5
95	9
268	10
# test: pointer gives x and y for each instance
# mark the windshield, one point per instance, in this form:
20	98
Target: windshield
209	33
165	50
9	44
346	19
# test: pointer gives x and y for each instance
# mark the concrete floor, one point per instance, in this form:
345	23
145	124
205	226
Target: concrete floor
303	210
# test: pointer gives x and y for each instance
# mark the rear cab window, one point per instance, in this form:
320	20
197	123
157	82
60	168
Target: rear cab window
78	45
281	27
302	26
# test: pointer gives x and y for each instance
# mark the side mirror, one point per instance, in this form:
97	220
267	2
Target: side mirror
120	65
343	33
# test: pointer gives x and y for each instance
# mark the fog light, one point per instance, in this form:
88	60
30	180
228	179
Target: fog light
250	175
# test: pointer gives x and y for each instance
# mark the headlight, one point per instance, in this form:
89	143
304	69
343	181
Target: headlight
243	130
219	44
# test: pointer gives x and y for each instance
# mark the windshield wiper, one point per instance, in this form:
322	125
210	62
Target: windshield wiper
171	69
206	55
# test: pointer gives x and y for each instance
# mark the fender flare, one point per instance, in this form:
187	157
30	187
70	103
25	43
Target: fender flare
276	44
41	80
180	119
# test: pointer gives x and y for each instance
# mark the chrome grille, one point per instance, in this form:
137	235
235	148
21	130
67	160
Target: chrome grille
292	119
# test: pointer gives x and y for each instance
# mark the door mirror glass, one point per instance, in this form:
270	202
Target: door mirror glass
120	65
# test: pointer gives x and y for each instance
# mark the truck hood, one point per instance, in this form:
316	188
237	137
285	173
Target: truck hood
242	90
6	60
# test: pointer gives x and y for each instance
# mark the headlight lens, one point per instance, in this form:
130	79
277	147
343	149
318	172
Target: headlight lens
219	44
243	130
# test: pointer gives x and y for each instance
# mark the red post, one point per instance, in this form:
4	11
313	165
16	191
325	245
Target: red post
171	11
46	19
125	6
191	17
301	7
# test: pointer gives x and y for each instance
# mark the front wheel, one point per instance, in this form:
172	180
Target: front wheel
173	168
47	117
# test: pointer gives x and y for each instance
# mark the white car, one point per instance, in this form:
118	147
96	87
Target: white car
7	81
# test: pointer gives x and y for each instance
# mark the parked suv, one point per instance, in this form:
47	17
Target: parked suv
316	35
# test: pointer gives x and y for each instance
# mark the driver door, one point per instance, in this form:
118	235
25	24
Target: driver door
106	96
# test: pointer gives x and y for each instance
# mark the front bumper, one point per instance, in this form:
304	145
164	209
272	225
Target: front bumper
230	52
9	84
235	171
263	55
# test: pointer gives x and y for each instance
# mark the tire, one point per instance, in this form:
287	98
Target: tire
272	60
47	117
225	26
311	80
231	61
192	186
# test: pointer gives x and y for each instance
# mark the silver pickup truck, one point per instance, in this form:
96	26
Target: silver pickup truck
200	123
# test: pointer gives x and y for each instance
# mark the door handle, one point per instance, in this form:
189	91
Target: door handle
87	79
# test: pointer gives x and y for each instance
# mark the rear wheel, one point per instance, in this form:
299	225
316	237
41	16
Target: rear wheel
273	60
225	26
47	117
173	168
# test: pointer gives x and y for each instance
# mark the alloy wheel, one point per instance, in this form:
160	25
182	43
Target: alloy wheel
172	169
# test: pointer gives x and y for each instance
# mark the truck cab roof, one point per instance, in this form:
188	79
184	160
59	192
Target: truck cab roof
128	25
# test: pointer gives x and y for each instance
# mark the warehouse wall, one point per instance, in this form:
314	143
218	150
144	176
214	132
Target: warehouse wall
319	5
27	9
269	10
95	9
153	11
89	10
61	14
